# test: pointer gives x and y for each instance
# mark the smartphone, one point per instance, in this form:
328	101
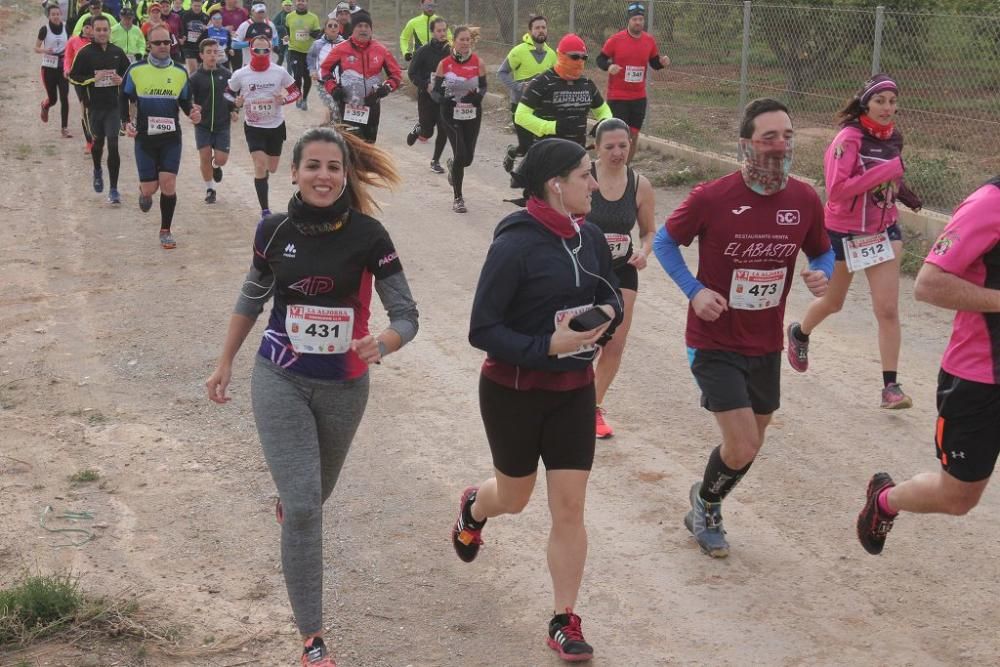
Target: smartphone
589	319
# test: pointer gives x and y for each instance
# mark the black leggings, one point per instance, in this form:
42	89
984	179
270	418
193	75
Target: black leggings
427	113
462	134
56	85
524	137
104	124
300	72
84	115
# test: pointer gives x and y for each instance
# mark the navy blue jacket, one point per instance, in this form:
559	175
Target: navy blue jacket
529	274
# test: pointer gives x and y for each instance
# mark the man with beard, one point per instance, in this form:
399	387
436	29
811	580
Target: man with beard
524	62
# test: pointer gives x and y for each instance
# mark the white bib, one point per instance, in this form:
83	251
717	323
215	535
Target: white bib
193	36
160	125
570	313
301	35
757	289
50	60
103	78
357	115
619	244
320	330
259	111
465	111
862	252
634	74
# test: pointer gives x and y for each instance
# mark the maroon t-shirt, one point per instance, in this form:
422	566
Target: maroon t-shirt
750	240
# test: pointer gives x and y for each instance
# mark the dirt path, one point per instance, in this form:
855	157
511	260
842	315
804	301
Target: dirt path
105	341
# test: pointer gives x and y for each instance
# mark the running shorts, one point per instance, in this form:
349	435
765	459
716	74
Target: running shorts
156	159
633	112
105	122
266	139
628	277
521	426
967	437
730	380
837	239
219	140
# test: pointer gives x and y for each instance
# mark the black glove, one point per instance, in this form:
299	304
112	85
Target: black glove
383	90
474	97
371	99
338	95
408	57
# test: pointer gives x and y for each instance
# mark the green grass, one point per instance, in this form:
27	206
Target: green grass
915	249
84	476
37	605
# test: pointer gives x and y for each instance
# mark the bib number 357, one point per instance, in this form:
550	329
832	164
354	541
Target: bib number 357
757	289
320	330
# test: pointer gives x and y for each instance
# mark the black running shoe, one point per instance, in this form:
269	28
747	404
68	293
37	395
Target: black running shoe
98	181
411	138
465	538
436	167
566	637
508	158
873	524
210	196
217	174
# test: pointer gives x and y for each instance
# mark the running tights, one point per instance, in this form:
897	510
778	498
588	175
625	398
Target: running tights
306	427
462	134
300	72
84	115
56	85
427	114
114	159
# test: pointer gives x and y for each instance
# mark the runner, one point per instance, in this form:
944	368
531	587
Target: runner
257	88
959	274
171	14
417	30
73	46
98	70
623	198
194	22
358	86
421	73
128	37
155	18
279	24
342	13
536	390
864	178
459	87
317	54
158	88
557	101
258	25
625	57
303	28
219	33
211	135
525	61
95	9
51	44
310	378
750	226
233	16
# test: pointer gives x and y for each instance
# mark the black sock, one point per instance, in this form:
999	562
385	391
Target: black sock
468	520
167	205
719	478
799	335
888	377
114	163
260	185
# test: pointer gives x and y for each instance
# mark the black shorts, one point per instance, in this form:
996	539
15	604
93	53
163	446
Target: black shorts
266	139
522	426
837	239
730	380
155	158
967	437
105	123
633	112
628	277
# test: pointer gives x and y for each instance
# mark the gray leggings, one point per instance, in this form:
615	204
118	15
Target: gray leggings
306	427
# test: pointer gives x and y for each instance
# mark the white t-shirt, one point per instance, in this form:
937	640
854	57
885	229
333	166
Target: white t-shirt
260	109
241	35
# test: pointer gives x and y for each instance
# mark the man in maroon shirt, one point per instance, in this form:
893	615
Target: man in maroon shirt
750	227
233	16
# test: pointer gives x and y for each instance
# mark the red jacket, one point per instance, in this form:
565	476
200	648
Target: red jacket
359	68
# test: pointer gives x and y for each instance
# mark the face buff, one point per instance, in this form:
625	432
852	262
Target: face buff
260	62
567	68
765	173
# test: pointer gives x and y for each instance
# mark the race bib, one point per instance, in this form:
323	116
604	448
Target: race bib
104	78
319	330
757	289
358	115
193	36
259	111
619	244
301	35
160	125
862	252
465	111
570	313
634	74
50	60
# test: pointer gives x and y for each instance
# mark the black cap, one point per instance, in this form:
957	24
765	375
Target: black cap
360	16
636	9
545	159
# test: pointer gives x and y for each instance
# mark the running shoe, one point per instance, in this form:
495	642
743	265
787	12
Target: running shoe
315	654
464	538
113	197
449	165
566	637
798	352
45	111
98	180
459	205
210	196
167	241
873	524
411	138
66	133
216	174
436	167
704	520
88	147
279	511
145	202
603	430
508	158
305	104
893	397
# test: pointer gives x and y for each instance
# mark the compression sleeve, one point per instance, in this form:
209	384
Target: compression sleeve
506	75
603	61
669	254
823	263
526	118
654	61
257	288
482	86
237	44
394	291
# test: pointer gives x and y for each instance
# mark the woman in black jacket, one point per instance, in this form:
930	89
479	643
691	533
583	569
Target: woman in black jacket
421	73
546	296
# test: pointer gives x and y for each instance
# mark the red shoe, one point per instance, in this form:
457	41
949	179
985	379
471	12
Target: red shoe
467	539
603	430
315	654
45	111
566	637
89	147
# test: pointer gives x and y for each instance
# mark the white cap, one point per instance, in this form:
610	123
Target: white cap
259	7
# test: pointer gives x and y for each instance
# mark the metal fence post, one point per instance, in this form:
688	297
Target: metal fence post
877	47
513	26
650	14
745	58
572	15
397	18
466	12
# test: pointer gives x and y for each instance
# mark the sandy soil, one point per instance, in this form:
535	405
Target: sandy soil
107	339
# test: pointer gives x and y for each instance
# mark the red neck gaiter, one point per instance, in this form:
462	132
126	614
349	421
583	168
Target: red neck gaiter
551	219
882	132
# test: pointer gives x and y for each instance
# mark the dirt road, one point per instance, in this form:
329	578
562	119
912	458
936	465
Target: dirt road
105	341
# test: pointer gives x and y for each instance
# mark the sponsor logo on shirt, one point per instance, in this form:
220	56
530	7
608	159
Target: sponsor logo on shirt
391	257
943	244
290	251
741	210
313	285
788	217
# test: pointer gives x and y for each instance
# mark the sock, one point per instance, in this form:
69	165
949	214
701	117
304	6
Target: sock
209	185
561	619
883	502
888	377
719	478
167	205
468	520
260	185
800	335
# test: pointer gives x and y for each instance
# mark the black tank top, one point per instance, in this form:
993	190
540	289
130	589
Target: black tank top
616	218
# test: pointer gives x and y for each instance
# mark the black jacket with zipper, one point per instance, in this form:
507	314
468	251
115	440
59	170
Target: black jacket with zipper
207	88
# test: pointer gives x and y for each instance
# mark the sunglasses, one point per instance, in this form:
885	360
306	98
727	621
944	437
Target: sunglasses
159	42
576	56
261	52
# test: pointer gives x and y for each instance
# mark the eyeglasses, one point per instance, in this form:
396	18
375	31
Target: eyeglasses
159	42
261	52
576	56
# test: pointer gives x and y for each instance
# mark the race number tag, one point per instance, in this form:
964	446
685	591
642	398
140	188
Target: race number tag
570	313
757	289
357	115
619	244
259	111
634	74
193	36
862	252
50	60
160	125
104	78
319	330
465	111
301	35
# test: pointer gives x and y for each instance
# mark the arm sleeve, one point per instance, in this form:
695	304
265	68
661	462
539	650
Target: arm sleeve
483	86
668	252
603	61
506	75
603	112
526	118
257	288
41	34
654	56
184	99
839	163
823	263
394	291
405	37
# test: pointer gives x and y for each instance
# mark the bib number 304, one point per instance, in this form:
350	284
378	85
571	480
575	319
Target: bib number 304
863	252
757	289
320	330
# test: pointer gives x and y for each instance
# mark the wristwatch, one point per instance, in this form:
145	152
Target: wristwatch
382	351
